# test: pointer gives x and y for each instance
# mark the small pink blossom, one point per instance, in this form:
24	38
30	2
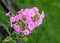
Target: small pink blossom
8	14
12	19
39	22
20	12
28	19
31	25
18	17
35	9
16	28
42	15
26	32
26	11
32	13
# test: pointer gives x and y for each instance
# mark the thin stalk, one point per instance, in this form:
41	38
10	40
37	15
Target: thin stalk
6	28
5	4
9	5
18	40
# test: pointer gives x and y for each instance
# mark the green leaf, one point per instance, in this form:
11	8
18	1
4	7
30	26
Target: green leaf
0	39
12	41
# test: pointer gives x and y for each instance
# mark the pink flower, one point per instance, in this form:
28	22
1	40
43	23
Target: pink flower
35	9
8	14
32	13
39	22
26	32
28	19
16	28
18	17
31	25
42	15
20	12
12	19
28	12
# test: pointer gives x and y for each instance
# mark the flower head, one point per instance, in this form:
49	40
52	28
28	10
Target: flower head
26	20
26	32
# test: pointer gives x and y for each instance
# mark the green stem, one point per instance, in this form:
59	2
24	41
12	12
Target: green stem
8	37
6	28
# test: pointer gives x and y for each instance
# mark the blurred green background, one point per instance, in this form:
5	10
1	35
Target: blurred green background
49	31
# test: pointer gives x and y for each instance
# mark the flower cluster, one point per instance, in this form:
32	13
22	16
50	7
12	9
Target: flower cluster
26	20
